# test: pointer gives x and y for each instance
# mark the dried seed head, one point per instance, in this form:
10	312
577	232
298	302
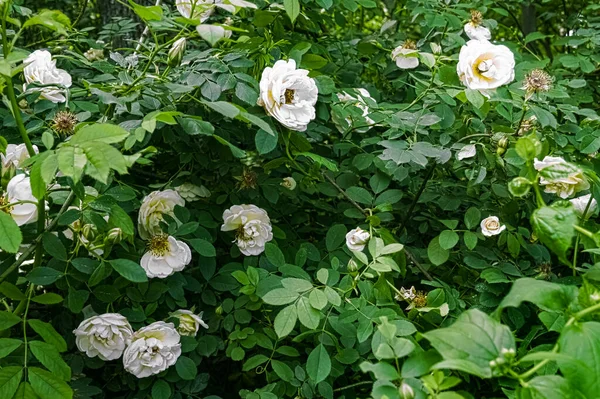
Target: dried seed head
409	44
64	123
537	81
420	300
476	17
247	180
3	205
527	125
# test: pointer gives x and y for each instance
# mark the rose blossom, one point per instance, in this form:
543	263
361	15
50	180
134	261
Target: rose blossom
42	70
289	183
189	322
357	239
560	177
19	189
154	206
485	66
153	349
252	226
165	256
406	56
580	203
288	95
16	154
105	336
490	226
202	9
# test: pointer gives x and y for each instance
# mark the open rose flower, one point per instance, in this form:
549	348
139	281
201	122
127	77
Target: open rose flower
491	226
196	9
40	69
288	95
581	203
105	336
153	349
357	239
406	56
560	177
485	66
252	226
474	28
189	322
154	206
19	189
165	256
16	154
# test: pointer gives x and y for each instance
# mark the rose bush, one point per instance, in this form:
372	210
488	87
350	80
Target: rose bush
300	199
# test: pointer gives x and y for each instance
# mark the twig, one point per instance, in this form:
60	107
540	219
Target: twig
412	258
343	192
414	203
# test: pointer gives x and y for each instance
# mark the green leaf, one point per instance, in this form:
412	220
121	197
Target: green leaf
548	296
317	299
554	225
448	239
43	275
38	186
224	108
211	33
282	370
486	339
10	234
336	235
54	247
463	365
296	284
8	345
360	195
280	296
307	315
254	362
285	321
203	247
47	385
10	377
265	142
147	13
470	239
475	98
292	8
549	387
161	390
381	371
48	334
318	364
25	392
437	255
582	342
186	368
49	298
274	254
131	270
472	217
99	132
7	320
51	359
51	19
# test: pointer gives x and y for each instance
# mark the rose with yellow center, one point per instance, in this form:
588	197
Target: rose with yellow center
165	256
485	66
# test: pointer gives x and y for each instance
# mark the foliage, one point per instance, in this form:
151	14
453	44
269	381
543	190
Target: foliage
501	307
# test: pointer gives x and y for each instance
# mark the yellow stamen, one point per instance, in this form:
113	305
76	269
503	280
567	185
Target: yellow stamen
159	245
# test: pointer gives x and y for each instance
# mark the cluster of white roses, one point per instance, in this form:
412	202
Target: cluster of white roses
148	351
18	201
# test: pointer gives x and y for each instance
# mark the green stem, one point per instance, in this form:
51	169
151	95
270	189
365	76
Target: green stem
578	238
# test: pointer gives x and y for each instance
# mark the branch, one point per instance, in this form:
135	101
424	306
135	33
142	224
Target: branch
343	192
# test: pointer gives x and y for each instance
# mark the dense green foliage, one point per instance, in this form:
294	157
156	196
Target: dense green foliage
419	163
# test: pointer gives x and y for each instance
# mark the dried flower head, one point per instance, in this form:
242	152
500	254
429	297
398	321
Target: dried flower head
537	81
409	45
476	17
3	205
64	122
544	271
248	179
527	125
420	300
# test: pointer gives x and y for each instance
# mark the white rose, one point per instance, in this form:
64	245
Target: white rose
490	226
477	32
153	349
406	57
196	9
41	69
16	154
165	256
288	95
485	66
154	206
189	323
560	177
357	239
252	226
190	192
359	102
289	183
19	189
105	336
580	203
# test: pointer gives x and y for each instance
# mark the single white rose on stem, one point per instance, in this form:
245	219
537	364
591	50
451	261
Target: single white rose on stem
485	66
491	226
16	154
165	256
154	206
288	95
560	177
189	322
289	183
474	28
580	203
406	56
105	336
252	226
19	189
153	349
357	239
41	69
